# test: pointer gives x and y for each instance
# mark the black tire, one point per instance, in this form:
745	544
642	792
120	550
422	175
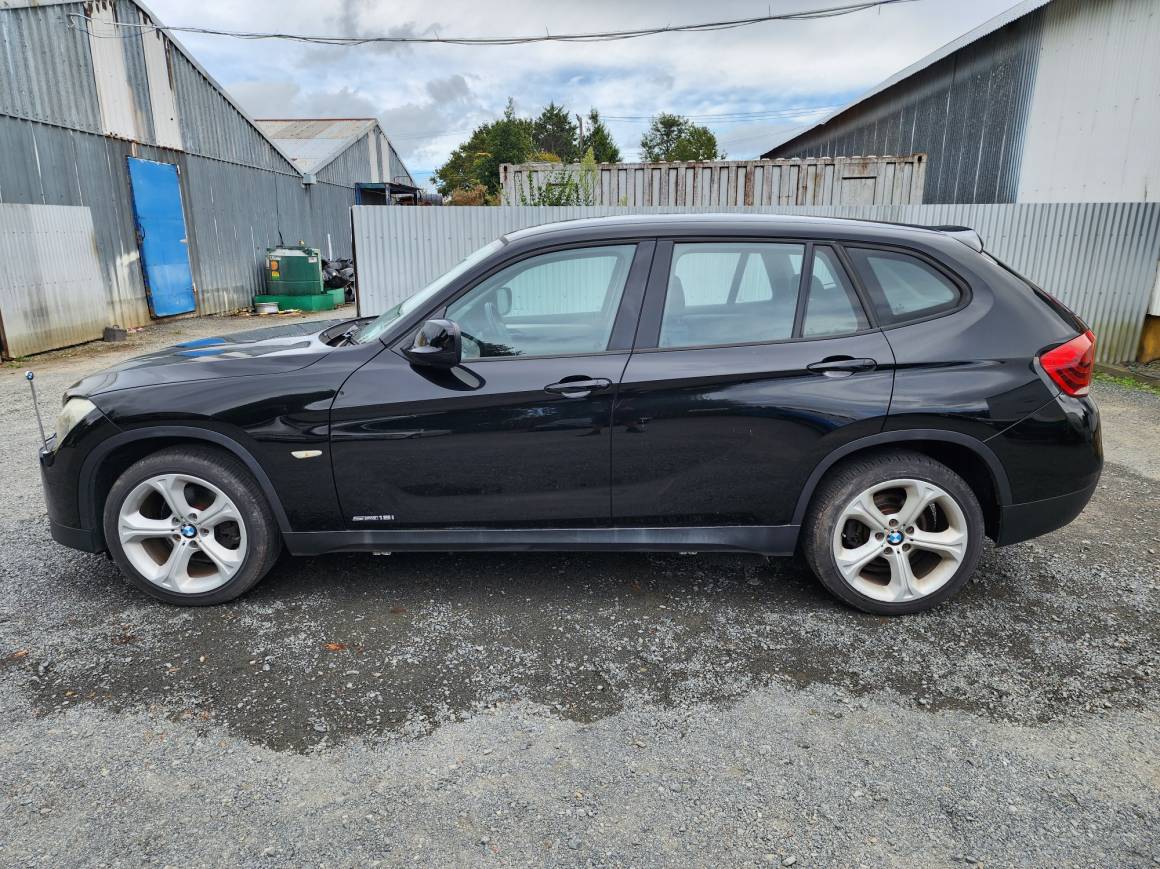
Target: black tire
264	539
844	483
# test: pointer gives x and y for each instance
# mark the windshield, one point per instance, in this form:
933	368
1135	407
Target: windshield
377	327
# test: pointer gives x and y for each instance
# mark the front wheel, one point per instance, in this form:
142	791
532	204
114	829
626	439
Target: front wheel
894	533
190	525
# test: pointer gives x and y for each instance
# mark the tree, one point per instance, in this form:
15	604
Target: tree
508	141
598	140
673	137
458	173
477	161
555	132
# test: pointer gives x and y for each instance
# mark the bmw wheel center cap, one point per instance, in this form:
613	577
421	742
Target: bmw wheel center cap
893	538
188	531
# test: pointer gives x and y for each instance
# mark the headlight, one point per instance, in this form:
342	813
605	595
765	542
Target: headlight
74	410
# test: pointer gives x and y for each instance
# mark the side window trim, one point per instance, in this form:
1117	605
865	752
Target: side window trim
799	312
807	284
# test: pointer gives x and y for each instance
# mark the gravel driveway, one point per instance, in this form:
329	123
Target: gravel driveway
586	709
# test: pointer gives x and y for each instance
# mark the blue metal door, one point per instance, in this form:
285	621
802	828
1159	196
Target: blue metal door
161	235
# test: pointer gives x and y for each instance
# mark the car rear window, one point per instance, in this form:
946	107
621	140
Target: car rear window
903	287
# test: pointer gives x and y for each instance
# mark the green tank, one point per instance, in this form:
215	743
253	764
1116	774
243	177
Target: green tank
293	271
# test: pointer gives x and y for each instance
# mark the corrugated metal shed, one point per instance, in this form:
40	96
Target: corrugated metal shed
64	140
1099	258
967	111
1049	102
971	36
313	142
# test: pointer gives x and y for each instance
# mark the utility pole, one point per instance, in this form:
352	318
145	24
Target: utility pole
580	124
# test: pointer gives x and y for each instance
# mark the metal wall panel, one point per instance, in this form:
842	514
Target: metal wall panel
115	95
967	112
46	69
1099	258
351	166
1093	133
51	292
815	181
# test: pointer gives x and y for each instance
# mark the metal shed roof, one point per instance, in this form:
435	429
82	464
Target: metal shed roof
987	27
312	143
156	21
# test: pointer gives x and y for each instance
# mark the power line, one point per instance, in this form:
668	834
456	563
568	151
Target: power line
599	36
732	117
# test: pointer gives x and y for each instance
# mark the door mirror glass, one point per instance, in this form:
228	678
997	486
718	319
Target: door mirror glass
437	344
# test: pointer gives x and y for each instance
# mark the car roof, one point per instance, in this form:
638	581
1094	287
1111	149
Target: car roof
725	224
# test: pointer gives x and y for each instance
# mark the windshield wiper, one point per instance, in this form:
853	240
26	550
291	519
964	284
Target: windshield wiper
347	337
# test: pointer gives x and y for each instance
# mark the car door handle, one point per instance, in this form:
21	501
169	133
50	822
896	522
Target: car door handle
842	366
578	387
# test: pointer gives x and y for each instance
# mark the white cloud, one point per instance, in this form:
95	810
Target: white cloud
430	97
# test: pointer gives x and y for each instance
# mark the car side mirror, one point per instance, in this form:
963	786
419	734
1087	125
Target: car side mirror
437	344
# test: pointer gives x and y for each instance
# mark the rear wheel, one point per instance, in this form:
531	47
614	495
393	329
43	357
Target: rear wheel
894	533
189	525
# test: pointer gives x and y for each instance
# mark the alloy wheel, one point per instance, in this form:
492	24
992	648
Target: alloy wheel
900	540
182	533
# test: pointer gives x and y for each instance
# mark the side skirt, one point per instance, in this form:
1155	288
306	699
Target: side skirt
763	539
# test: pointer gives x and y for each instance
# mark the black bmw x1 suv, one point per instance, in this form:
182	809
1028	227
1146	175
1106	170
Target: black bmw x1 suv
876	397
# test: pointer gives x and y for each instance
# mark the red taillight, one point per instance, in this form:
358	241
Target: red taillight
1070	364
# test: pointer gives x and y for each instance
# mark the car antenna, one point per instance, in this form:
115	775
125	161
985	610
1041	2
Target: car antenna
30	377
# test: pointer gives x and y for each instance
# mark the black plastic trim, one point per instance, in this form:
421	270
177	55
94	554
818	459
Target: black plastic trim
83	539
998	473
88	476
764	539
1019	522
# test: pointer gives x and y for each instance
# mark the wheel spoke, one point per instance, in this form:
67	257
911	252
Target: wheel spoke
227	561
919	496
864	510
175	571
135	528
950	543
852	561
171	487
902	581
221	510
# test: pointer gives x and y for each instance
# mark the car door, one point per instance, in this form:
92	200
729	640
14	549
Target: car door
754	359
518	434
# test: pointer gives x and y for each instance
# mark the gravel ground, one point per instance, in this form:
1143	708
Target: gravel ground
588	709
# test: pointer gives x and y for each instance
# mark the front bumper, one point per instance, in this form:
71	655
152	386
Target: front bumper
83	539
60	476
60	495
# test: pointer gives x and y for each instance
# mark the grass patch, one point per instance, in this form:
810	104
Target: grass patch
1127	383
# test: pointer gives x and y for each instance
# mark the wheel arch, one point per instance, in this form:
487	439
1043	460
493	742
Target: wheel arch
105	463
967	456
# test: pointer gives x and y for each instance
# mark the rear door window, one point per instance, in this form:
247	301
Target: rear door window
731	293
832	304
903	287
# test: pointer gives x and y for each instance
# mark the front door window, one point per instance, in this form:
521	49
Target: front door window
555	304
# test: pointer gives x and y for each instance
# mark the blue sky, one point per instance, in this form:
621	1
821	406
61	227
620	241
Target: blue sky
430	97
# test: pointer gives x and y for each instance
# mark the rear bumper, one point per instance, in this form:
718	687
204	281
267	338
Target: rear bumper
1019	522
